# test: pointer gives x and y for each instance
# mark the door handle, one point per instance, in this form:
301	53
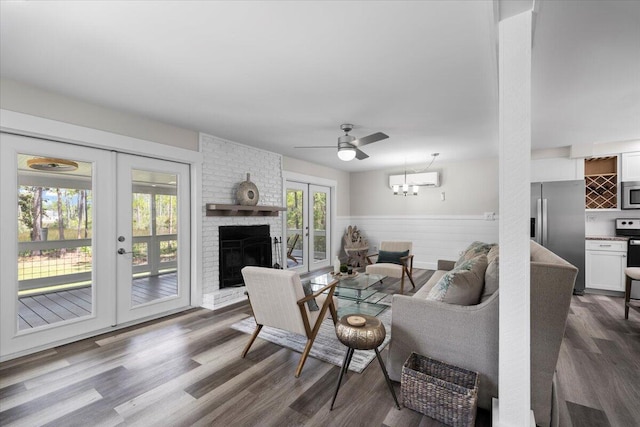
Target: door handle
122	251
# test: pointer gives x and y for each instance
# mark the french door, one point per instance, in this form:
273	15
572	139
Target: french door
308	228
153	237
62	230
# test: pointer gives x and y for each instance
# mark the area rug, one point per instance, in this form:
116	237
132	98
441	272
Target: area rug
326	347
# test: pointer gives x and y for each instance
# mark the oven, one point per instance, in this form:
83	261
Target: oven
631	195
630	227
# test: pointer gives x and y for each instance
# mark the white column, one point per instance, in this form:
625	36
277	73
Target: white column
515	153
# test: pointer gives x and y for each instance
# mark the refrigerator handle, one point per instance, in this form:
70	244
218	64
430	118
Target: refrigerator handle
538	238
545	237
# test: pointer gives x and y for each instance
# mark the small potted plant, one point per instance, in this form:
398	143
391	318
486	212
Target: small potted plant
344	268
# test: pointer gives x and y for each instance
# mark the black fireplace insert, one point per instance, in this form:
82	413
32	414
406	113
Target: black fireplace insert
240	246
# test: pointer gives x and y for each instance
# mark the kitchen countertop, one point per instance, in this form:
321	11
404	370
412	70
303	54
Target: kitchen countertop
618	238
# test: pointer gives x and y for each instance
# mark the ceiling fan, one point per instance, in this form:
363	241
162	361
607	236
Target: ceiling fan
348	145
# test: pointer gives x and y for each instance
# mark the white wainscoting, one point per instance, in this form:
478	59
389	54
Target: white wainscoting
434	237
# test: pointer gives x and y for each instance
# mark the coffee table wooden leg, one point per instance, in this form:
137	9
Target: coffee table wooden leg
386	377
345	366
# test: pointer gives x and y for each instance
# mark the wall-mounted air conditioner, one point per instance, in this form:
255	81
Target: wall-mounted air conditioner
427	179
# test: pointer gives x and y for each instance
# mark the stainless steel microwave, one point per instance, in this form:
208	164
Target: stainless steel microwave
631	195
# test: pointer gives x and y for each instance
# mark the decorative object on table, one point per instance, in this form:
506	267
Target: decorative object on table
393	269
367	336
346	275
247	193
439	390
336	265
356	321
355	246
344	268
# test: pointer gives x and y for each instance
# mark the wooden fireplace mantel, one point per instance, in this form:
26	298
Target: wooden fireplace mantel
217	209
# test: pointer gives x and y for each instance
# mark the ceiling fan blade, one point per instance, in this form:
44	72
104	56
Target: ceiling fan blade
361	155
374	137
317	146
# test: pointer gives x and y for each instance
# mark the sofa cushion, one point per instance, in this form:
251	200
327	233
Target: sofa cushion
462	285
473	250
387	257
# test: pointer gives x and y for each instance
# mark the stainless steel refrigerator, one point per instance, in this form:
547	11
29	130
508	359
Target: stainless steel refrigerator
557	222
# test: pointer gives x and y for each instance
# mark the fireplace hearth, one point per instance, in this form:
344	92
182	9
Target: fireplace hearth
240	246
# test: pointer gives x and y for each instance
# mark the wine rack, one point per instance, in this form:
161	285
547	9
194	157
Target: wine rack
601	181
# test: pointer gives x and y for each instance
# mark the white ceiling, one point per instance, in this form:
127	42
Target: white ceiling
281	74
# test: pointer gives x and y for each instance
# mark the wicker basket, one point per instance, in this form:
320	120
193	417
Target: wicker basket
441	391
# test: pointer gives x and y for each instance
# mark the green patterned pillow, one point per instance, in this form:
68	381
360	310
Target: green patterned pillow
475	249
462	285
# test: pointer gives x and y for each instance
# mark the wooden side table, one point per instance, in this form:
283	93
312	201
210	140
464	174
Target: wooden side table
366	337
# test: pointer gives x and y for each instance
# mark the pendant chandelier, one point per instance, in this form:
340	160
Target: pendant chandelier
410	190
405	188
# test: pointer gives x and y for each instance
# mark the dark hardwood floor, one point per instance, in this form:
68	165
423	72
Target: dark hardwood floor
185	370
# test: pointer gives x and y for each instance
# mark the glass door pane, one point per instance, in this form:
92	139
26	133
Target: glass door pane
154	230
153	236
297	227
55	226
320	226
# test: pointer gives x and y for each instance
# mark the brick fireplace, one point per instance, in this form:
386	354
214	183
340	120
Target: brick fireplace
225	165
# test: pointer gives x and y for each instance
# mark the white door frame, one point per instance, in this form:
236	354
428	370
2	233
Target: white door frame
28	125
333	214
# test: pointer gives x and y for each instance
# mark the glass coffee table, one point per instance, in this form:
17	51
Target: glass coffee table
356	293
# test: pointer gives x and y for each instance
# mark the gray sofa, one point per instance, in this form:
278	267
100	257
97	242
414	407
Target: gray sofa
467	336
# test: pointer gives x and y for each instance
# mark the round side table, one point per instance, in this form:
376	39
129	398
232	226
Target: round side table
366	337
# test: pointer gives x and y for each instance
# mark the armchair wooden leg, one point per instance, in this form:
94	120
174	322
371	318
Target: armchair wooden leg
409	276
251	340
305	354
402	283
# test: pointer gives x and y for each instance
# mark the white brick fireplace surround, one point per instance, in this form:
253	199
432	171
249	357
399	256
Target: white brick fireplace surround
225	165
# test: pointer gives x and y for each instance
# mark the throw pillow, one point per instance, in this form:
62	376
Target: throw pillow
391	257
491	278
463	284
311	304
473	250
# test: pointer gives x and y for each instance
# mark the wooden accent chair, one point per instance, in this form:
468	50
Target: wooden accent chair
398	271
277	300
291	243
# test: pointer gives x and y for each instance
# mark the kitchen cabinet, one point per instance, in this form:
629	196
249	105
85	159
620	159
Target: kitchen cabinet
605	262
556	169
631	166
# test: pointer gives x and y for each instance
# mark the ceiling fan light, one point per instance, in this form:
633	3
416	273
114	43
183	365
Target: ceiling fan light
396	188
346	154
415	190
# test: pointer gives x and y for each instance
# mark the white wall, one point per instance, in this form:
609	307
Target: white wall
16	96
470	187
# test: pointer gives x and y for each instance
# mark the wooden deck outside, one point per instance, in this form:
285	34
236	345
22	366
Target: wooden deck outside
44	309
